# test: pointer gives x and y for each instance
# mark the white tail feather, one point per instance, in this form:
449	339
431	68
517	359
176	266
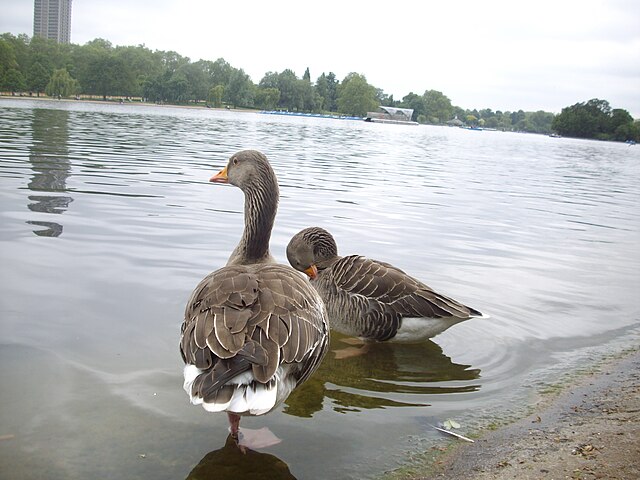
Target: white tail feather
262	399
256	400
190	373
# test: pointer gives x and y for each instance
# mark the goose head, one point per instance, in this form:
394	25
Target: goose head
311	250
248	170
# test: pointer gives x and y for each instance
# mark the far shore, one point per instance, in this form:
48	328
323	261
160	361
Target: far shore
116	101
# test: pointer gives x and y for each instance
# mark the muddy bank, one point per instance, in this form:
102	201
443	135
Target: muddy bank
591	430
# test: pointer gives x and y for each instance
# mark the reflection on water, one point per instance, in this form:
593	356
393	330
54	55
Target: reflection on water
541	233
49	157
51	229
231	463
379	375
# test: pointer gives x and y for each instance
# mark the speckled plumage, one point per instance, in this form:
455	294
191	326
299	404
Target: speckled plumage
371	299
253	330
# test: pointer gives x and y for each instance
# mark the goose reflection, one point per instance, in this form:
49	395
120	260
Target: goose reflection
229	462
49	157
382	371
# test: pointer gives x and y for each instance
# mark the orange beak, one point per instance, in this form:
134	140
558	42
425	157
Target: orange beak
312	271
220	177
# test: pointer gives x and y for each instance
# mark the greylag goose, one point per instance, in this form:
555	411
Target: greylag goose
370	299
253	330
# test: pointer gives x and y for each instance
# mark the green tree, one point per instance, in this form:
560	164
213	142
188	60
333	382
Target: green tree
595	119
215	95
269	80
626	132
286	83
220	72
322	92
61	84
331	100
383	98
504	121
356	96
47	53
305	96
584	120
142	63
634	131
415	102
326	95
7	53
14	81
37	78
619	117
170	83
601	111
240	89
14	53
197	78
326	92
623	127
518	119
437	106
267	98
177	88
102	71
538	122
295	94
8	63
471	119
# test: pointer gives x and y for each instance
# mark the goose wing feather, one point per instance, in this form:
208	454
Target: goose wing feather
255	317
393	289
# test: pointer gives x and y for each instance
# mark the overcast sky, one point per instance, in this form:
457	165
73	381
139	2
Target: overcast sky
503	55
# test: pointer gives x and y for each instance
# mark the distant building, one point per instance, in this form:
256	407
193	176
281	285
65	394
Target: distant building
52	19
391	115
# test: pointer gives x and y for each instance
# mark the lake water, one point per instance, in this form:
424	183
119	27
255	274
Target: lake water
108	222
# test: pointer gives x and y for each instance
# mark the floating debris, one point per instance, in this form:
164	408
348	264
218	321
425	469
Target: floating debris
585	450
454	434
449	424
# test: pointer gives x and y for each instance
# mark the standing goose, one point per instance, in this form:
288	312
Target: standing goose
253	330
370	299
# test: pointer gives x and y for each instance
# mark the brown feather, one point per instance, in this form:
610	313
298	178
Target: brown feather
272	329
252	316
365	297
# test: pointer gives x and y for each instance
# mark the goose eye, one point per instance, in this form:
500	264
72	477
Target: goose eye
235	161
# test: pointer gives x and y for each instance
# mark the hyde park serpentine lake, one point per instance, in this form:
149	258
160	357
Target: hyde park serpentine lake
109	221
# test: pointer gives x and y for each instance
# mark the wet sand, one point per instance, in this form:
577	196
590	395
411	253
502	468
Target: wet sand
591	430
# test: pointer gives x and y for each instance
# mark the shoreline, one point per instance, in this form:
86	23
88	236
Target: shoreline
130	103
590	429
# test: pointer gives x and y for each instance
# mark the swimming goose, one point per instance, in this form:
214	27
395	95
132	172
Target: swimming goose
253	330
370	299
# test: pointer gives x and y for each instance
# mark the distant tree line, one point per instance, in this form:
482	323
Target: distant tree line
97	68
596	119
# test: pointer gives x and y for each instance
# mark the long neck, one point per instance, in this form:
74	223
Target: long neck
260	206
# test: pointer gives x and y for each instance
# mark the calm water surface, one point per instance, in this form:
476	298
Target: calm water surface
108	222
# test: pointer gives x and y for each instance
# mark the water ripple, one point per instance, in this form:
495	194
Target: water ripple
108	221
